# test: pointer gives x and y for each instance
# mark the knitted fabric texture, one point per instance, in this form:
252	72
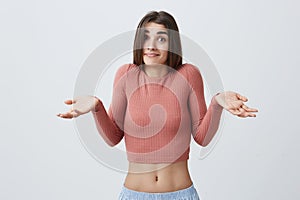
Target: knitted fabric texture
158	115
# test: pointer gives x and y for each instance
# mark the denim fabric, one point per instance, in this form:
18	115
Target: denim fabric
184	194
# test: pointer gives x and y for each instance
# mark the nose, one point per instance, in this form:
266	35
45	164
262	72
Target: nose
150	44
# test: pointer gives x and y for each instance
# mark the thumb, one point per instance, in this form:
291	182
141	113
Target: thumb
243	98
69	101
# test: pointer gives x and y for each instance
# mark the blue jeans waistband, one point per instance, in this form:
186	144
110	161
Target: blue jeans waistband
189	193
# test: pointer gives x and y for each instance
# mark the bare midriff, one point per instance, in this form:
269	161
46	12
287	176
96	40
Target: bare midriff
155	178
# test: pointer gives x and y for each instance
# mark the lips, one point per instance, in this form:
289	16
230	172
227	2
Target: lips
151	54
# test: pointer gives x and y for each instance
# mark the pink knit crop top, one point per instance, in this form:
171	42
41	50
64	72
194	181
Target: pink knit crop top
158	116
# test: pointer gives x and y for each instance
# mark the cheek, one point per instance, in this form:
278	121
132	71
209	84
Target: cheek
164	54
163	47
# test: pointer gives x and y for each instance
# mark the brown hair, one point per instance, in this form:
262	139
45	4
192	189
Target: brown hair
174	59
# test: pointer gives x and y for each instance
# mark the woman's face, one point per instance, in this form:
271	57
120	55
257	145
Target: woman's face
156	44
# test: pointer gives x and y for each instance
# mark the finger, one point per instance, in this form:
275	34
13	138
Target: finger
251	115
242	116
241	97
70	101
234	111
240	112
249	109
244	113
247	114
65	115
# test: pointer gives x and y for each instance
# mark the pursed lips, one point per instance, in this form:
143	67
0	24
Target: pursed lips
151	54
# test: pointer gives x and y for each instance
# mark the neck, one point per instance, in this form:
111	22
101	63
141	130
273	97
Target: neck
156	70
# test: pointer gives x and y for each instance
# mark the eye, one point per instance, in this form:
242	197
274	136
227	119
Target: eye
161	39
146	37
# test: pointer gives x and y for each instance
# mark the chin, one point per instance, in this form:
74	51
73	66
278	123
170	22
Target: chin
153	62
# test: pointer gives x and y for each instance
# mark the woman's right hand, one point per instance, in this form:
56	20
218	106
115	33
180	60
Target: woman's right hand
80	105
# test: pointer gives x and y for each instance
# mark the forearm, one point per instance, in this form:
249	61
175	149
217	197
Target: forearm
106	125
209	125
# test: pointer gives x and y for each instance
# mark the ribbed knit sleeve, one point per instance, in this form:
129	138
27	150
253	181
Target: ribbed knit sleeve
110	125
205	122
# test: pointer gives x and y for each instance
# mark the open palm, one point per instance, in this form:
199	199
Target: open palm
234	103
80	106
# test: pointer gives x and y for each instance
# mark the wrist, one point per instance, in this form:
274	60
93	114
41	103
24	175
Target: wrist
97	105
216	101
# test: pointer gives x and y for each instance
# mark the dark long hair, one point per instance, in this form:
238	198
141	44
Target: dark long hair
174	59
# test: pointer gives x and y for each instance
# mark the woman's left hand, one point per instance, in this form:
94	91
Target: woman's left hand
234	103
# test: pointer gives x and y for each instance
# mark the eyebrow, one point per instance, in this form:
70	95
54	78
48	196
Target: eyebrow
159	32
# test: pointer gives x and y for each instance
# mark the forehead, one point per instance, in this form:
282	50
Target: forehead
155	28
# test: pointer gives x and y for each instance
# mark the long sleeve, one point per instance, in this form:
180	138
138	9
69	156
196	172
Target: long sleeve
205	122
110	125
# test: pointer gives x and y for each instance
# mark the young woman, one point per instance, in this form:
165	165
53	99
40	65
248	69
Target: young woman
157	106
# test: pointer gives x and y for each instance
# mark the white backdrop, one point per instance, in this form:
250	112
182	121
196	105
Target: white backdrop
254	44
